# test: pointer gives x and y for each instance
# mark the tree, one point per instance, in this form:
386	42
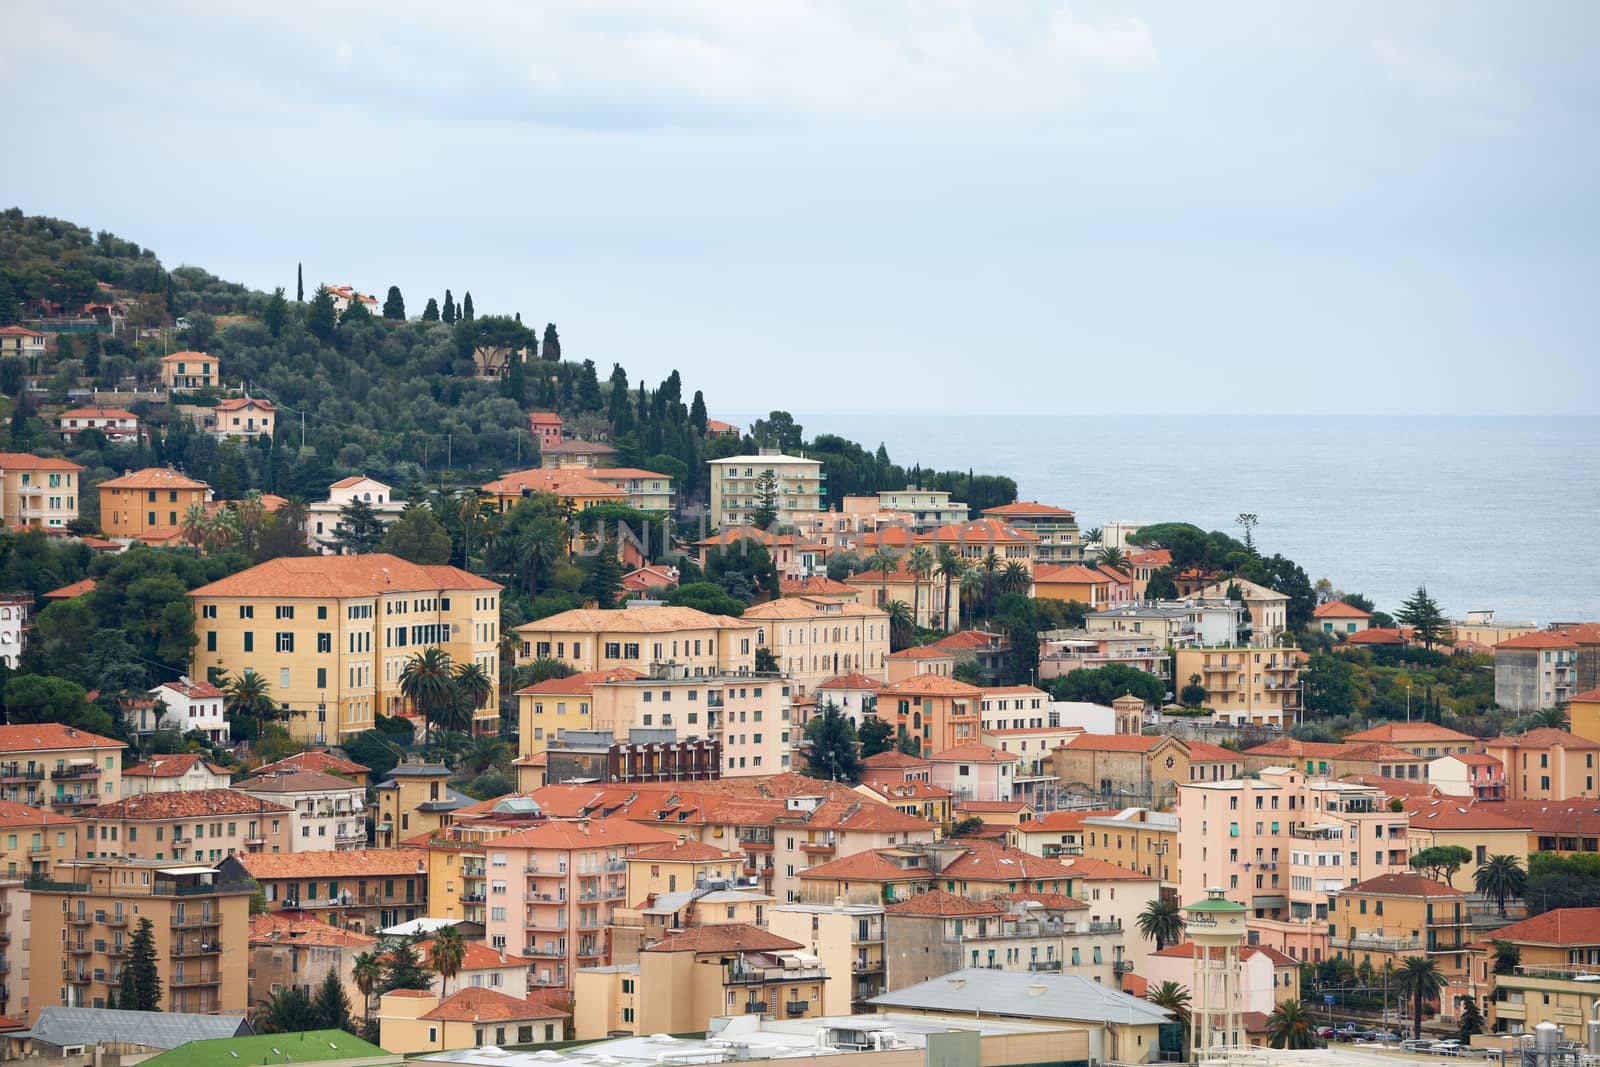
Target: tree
366	971
901	624
1428	624
1015	578
331	1005
1290	1026
487	753
276	312
1174	998
1548	718
427	681
140	987
1501	876
466	308
966	827
766	660
473	686
1419	980
1507	956
430	311
449	312
697	413
743	568
248	697
401	968
952	567
1440	862
552	344
1161	921
765	514
417	536
704	596
355	311
299	283
919	564
1194	693
321	316
288	1011
1102	685
1469	1020
449	950
832	755
359	530
394	305
875	736
602	576
1112	557
1163	584
885	561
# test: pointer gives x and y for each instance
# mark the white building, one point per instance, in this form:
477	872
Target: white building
345	295
117	425
734	483
328	812
184	773
13	626
193	706
322	525
855	695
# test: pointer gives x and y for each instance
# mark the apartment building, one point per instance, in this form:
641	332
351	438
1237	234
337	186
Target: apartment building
37	492
1480	776
336	632
1057	540
1268	608
1172	623
1554	980
1497	828
1266	976
1282	843
60	767
325	811
1136	839
289	950
844	938
20	341
938	932
934	712
360	889
637	637
1247	686
728	970
416	799
115	424
549	708
151	501
242	417
1064	651
31	840
1338	760
204	826
325	517
14	627
801	486
1383	920
575	488
190	370
1418	738
816	638
1537	670
749	715
319	760
643	489
192	706
89	909
1546	764
973	772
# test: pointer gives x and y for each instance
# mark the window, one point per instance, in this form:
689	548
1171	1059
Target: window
249	641
247	611
285	611
285	641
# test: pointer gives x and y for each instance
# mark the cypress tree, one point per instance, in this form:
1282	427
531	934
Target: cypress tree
140	988
619	413
299	283
10	309
589	387
449	310
394	306
697	412
321	316
431	312
552	343
331	1005
466	308
276	312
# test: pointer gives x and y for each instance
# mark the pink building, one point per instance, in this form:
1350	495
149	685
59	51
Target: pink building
1473	774
545	426
973	772
553	889
893	768
1267	977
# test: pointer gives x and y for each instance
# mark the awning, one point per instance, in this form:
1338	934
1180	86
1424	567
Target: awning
1269	901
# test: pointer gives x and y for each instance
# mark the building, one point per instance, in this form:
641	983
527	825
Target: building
200	922
646	755
815	638
193	706
118	426
545	426
345	295
1381	921
556	705
37	492
1417	738
1268	608
571	454
924	596
1061	652
1171	623
338	632
190	370
31	841
921	509
727	970
853	695
1135	839
1081	583
1477	775
325	517
21	342
14	626
106	1030
1338	760
473	1017
800	485
414	800
288	949
314	760
1055	834
150	501
204	826
359	889
1267	977
242	417
845	938
1246	686
935	713
1484	830
1537	670
919	799
1124	769
973	771
325	811
1554	979
60	767
1546	764
1340	619
184	773
1054	530
574	487
638	637
748	717
642	489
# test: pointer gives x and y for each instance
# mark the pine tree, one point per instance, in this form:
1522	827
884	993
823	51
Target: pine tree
299	283
515	384
552	344
394	305
430	313
875	736
466	308
618	411
140	988
449	310
332	1005
359	531
276	312
1469	1021
21	410
589	387
602	576
402	969
1428	624
765	515
697	413
321	317
10	308
832	755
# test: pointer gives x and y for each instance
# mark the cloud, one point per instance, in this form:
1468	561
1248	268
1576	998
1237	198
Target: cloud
1476	97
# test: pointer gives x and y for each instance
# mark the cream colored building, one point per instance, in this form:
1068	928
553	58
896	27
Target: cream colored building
332	634
802	486
749	714
205	826
816	638
1269	609
412	1021
38	493
190	370
846	939
325	811
1246	686
325	517
61	768
244	417
637	637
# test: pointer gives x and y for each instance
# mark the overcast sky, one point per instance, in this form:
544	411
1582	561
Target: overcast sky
992	206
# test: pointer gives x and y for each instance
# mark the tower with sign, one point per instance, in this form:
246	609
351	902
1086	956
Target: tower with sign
1216	926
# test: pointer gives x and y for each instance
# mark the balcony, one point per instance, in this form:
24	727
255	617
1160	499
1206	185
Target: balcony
797	1007
10	772
548	952
1377	943
67	774
191	920
198	981
77	979
756	1007
79	800
763	975
860	966
1105	928
1122	967
80	920
182	950
115	920
1045	966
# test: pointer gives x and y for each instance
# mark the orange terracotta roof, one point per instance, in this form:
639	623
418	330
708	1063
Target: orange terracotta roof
189	357
977	532
970	639
1543	737
1158	557
67	592
325	577
1069	574
580	684
478	957
894	758
641	620
867	866
241	403
1093	870
812	607
588	833
18	331
937	902
544	418
1338	609
1204	751
354	863
552	480
184	804
930	685
47	736
816	585
923	652
972	752
1592	694
97	413
608	474
1560	926
1059	821
1403	884
326	762
153	478
1393	786
988	862
1049	901
1546	816
1379	635
686	851
295	780
26	461
175	766
899	792
730	937
1540	639
295	928
16	813
993	807
849	681
1024	509
480	1004
1399	733
1456	813
1115	742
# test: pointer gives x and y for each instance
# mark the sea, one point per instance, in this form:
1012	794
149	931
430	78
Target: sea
1490	513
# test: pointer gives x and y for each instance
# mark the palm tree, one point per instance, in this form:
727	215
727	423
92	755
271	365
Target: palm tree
951	568
428	682
972	587
365	972
294	514
1551	718
1174	998
195	521
1093	535
885	561
1290	1027
448	953
990	563
919	563
249	697
1112	557
536	548
1420	979
486	753
222	530
249	513
1500	876
1162	922
473	686
900	624
1014	578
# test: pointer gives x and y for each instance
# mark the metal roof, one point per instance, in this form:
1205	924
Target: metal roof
154	1029
1022	994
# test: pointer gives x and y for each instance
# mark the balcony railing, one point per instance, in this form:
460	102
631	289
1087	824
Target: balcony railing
1122	967
1377	943
68	773
1045	966
762	975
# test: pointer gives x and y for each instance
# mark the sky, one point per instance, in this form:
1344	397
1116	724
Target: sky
985	206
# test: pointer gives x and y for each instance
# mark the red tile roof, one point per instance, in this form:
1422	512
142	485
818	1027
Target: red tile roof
1403	885
868	866
989	862
1540	639
977	532
930	685
586	833
325	577
1204	751
1592	694
478	957
184	804
175	766
849	681
353	863
971	752
1064	821
297	928
67	592
579	684
1543	737
49	736
326	762
993	807
1093	870
1399	733
1561	926
16	813
1379	635
729	937
1025	509
1114	742
816	585
937	902
892	759
481	1004
1457	813
923	652
1069	574
153	478
686	851
1338	609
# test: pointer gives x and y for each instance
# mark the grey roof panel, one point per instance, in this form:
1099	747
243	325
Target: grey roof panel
156	1029
1022	994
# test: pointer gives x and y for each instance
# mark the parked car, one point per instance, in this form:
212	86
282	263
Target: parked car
1324	1031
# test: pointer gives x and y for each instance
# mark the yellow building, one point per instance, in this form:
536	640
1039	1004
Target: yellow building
45	764
412	1021
1484	830
677	867
154	499
38	492
92	908
637	637
1383	920
816	638
244	416
190	370
574	487
801	486
332	634
923	800
31	840
1246	686
1554	980
1584	714
645	490
547	708
605	1001
414	800
726	970
1136	839
845	939
1546	764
